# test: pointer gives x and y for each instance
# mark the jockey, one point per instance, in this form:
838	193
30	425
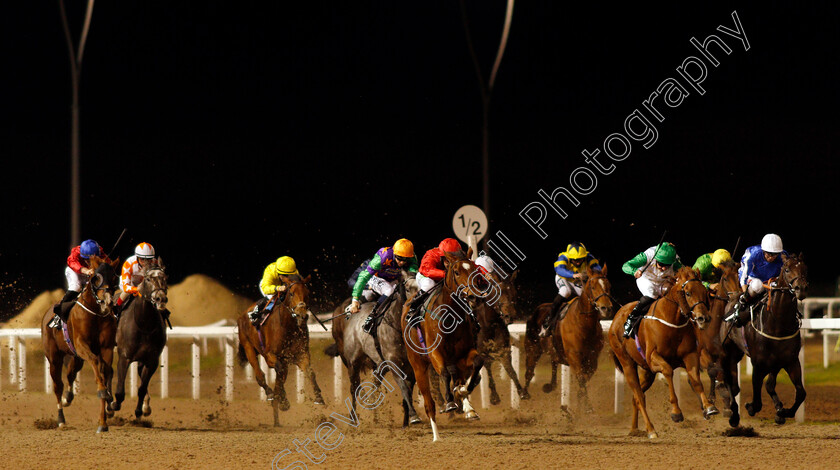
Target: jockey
77	273
759	264
709	265
273	283
433	270
133	273
652	268
570	271
485	264
380	277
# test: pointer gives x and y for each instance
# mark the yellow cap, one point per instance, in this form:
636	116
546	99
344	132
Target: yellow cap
404	248
719	257
285	265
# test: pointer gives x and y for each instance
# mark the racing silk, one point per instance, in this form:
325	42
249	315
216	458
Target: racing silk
382	265
651	273
271	281
132	275
76	262
432	264
753	265
564	267
706	268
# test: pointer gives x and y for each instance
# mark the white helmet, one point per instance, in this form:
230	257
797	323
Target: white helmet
485	262
771	243
144	250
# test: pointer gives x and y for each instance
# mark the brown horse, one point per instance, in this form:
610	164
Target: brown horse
577	340
709	344
772	341
448	341
91	328
662	344
283	339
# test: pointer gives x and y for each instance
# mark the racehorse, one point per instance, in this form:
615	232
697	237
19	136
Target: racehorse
772	341
709	342
359	350
90	336
445	338
283	338
141	336
493	339
662	344
576	340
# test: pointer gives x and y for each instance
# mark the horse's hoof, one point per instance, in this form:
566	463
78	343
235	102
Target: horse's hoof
677	418
524	395
109	413
751	409
780	419
495	400
548	388
710	411
471	415
61	424
284	405
735	420
104	395
147	410
101	429
449	407
115	405
652	435
319	401
414	420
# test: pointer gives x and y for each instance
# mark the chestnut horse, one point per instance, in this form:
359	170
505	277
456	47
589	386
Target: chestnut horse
709	344
283	338
91	329
141	336
662	344
444	338
772	341
577	340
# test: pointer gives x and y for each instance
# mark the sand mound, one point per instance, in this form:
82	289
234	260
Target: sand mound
200	300
31	316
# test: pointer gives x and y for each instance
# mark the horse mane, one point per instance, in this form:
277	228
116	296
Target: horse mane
294	278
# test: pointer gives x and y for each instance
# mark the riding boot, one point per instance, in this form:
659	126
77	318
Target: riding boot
369	321
637	312
549	322
117	308
62	308
744	301
415	305
254	315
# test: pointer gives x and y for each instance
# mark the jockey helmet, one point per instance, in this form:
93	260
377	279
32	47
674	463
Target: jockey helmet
88	248
719	257
404	248
666	254
450	245
771	243
285	265
485	262
576	250
145	251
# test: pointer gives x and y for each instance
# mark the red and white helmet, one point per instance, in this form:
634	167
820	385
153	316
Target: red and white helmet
145	251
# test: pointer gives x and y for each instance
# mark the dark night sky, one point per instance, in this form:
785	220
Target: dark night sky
229	134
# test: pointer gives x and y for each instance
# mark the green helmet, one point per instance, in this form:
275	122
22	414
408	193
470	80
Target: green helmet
666	254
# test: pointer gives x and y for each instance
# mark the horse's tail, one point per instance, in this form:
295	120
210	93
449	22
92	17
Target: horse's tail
331	350
243	359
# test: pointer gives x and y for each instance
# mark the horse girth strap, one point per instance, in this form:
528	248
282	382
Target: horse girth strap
667	323
775	338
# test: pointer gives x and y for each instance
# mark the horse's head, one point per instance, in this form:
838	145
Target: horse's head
464	277
297	298
103	282
409	282
794	275
597	290
693	296
729	286
505	305
154	286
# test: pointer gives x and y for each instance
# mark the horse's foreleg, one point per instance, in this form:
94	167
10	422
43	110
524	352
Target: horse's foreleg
434	381
259	375
511	372
73	367
446	374
107	355
407	390
549	387
659	364
794	371
143	396
281	367
56	360
692	368
631	374
122	370
305	364
759	372
421	372
491	383
101	390
532	355
770	386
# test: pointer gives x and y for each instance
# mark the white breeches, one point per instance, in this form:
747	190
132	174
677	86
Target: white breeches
649	288
425	283
754	286
565	287
75	281
377	285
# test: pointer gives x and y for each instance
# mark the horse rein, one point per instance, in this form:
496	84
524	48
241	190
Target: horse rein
99	302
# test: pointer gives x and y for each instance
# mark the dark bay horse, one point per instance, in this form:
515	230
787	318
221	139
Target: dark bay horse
91	331
772	341
709	344
664	342
359	350
282	339
141	336
444	337
577	340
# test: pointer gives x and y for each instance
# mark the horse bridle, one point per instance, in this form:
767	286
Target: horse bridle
94	287
594	302
704	301
155	286
284	295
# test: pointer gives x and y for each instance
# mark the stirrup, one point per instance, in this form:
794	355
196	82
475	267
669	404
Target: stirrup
55	322
544	332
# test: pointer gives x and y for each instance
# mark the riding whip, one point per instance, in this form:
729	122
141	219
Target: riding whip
117	243
655	251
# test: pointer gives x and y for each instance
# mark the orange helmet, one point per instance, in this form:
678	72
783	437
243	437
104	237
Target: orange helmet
404	248
450	245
